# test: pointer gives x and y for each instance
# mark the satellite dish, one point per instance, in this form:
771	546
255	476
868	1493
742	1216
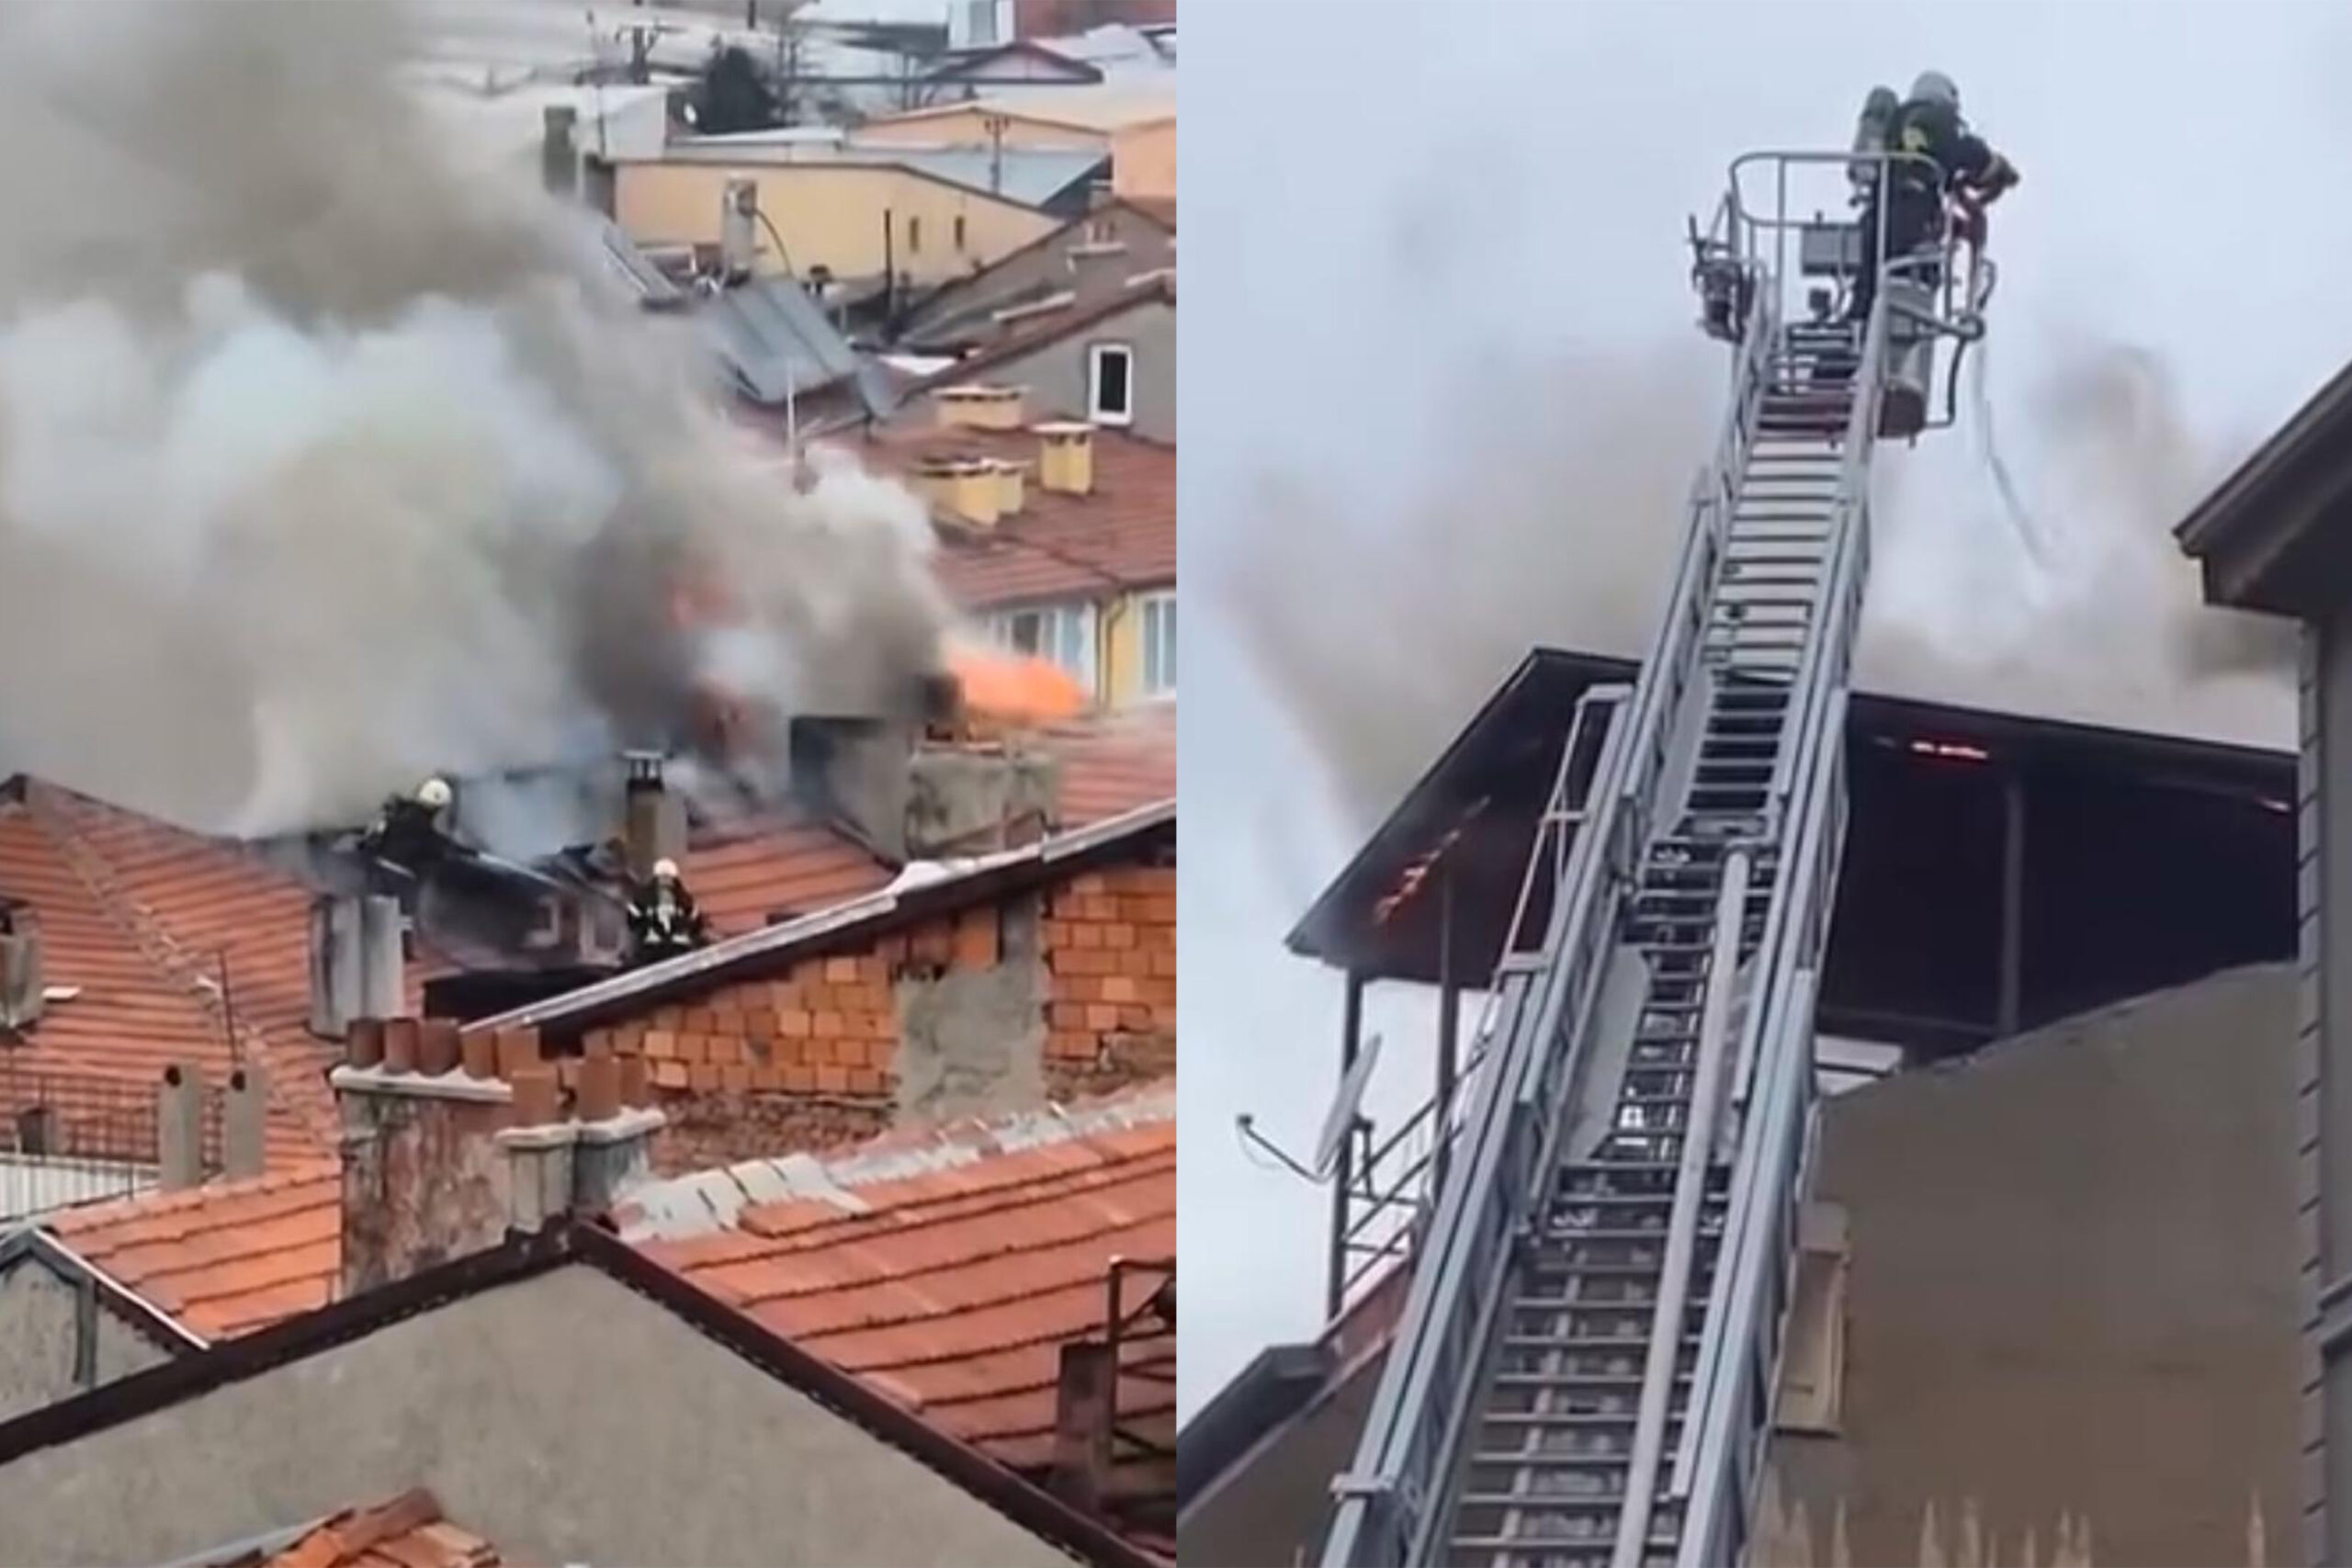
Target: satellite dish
1345	1106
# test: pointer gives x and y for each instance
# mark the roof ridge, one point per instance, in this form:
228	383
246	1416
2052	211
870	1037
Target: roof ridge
151	934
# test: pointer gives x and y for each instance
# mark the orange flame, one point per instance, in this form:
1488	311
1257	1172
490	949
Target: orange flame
1013	689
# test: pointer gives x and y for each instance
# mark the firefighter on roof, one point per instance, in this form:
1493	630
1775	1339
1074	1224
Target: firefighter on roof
410	831
664	920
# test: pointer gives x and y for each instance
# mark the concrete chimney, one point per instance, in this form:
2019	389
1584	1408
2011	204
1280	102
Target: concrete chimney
653	815
22	984
357	966
739	226
244	1123
452	1141
559	152
1066	457
179	1129
919	800
966	490
977	799
1012	487
978	407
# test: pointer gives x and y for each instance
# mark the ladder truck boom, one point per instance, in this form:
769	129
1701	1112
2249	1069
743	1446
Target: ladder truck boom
1584	1372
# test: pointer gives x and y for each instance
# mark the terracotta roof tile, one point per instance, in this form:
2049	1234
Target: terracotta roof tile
142	1002
1118	761
407	1532
224	1259
753	871
1120	536
973	1257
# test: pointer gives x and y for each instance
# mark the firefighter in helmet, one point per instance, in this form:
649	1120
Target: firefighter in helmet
664	920
1926	125
410	831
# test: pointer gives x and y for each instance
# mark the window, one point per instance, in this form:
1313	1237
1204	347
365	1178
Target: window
979	23
914	235
1110	384
1159	645
1101	232
1061	634
959	231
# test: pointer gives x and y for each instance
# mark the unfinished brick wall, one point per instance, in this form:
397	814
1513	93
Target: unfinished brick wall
1059	994
1111	954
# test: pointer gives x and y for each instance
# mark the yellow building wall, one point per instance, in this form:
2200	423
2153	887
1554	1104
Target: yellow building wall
1122	662
1143	160
964	127
830	215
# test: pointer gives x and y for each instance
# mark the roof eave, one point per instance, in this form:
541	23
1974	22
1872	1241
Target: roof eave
2260	531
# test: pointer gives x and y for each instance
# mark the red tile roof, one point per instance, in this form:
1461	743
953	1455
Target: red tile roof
1121	537
407	1532
959	1264
225	1258
743	877
1118	761
136	914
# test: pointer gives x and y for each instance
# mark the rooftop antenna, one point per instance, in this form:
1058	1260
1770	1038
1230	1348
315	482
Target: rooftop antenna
1345	1117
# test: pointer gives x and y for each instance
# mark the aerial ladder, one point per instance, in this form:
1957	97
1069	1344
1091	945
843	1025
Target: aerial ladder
1584	1369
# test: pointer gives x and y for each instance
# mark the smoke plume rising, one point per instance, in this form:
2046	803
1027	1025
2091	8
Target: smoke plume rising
1558	498
325	464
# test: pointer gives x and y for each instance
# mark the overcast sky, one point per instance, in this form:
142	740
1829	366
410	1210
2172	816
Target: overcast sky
1436	250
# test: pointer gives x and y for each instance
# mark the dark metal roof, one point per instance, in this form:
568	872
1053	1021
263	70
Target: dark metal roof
523	1257
1475	808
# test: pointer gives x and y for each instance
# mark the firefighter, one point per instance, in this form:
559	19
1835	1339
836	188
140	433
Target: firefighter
409	832
664	920
1927	124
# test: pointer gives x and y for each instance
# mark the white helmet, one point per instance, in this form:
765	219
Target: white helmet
665	870
1935	87
434	794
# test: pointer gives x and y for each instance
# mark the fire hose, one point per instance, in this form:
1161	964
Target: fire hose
1981	277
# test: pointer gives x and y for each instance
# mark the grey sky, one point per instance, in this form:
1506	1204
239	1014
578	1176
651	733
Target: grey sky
1435	247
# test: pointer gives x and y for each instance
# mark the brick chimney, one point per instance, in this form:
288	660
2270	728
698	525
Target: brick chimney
451	1141
357	967
23	988
1066	457
914	798
975	406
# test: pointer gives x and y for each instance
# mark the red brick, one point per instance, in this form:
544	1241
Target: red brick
1077	988
865	1080
760	1026
478	1053
1120	936
600	1088
800	1078
1100	1016
1121	989
1086	935
1163	965
1134	1018
794	1024
635	1085
826	1025
1092	882
832	1080
1066	1015
820	1051
661	1043
735	1076
690	1050
668	1074
399	1045
1081	961
976	939
888	951
725	1050
840	969
702	1077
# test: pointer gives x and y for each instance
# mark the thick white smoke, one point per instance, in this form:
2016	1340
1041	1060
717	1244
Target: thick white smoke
325	464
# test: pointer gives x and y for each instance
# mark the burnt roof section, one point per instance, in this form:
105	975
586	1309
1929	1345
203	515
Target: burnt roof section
1470	820
2277	535
955	885
523	1256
